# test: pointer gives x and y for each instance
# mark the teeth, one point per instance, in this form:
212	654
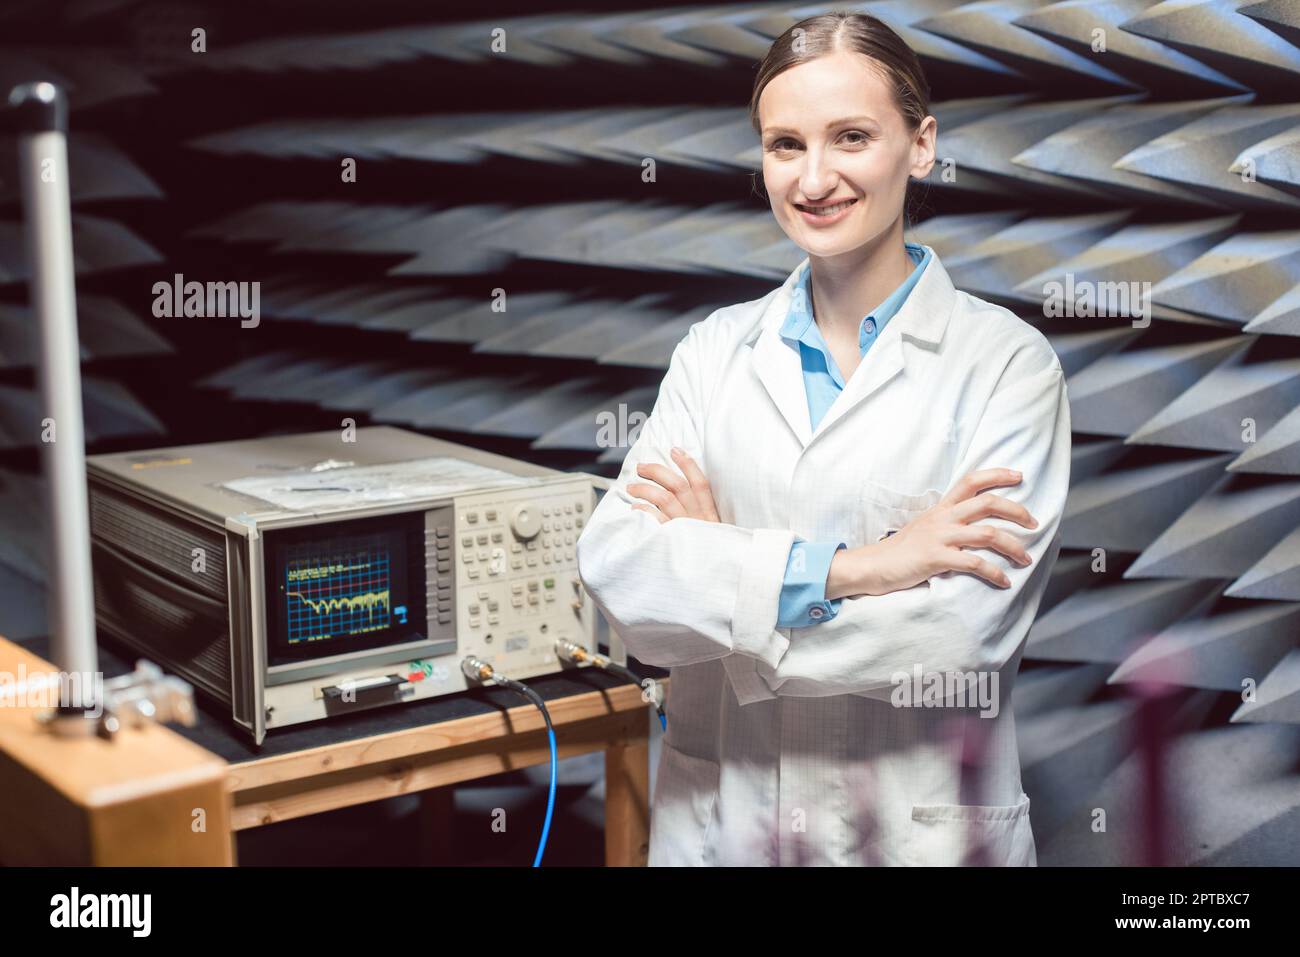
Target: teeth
828	210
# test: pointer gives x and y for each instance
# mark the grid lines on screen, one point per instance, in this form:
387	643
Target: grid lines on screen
338	587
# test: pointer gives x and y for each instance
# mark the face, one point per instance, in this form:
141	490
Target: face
837	153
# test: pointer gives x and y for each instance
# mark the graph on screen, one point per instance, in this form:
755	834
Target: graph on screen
338	587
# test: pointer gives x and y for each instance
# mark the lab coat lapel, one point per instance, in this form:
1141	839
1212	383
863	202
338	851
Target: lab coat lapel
881	363
923	318
780	369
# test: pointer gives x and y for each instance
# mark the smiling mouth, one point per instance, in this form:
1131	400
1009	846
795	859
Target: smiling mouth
825	210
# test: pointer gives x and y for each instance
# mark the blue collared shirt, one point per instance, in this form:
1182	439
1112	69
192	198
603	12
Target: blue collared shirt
803	591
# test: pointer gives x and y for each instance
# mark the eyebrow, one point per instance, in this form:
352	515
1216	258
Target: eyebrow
831	125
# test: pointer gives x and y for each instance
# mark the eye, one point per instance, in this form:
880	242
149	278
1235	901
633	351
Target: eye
860	138
782	144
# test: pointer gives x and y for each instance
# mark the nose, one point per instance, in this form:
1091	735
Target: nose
818	178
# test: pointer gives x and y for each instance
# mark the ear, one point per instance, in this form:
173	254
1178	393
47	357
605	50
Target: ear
923	148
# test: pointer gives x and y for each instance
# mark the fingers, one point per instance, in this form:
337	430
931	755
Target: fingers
996	539
664	476
671	493
666	502
963	561
700	489
988	505
685	495
975	482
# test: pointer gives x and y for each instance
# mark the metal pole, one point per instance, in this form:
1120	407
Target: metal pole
41	113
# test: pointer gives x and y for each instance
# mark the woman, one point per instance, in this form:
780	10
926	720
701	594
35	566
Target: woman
804	530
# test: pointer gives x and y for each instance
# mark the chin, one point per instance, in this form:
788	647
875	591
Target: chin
841	238
827	247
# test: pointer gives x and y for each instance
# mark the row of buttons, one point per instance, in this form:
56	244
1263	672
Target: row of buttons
468	540
567	523
439	608
557	557
442	552
490	515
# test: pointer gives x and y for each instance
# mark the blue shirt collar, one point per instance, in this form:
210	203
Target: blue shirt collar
800	327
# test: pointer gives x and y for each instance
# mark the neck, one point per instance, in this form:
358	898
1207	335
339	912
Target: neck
849	287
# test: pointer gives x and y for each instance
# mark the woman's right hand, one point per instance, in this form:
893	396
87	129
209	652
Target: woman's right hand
936	541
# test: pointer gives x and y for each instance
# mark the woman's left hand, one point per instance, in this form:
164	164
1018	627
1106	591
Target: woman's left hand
676	496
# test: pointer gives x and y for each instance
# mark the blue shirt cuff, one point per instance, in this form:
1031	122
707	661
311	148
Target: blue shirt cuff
803	593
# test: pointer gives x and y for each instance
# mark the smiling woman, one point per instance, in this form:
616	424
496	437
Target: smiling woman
891	141
804	522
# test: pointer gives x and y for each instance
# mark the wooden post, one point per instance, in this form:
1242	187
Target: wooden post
627	788
147	797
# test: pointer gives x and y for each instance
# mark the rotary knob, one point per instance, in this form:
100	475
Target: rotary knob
526	521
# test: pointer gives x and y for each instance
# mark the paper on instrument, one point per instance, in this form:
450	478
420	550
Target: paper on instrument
393	482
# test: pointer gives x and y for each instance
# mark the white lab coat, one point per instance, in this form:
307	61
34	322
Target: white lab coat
783	746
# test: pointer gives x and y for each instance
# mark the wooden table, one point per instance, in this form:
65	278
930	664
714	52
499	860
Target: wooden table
423	747
430	758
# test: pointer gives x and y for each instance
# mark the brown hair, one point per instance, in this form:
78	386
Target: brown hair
860	33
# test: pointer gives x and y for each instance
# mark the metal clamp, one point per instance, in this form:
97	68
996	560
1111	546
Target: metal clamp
131	700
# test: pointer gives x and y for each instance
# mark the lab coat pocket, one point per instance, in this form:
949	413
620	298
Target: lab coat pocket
884	510
955	835
686	791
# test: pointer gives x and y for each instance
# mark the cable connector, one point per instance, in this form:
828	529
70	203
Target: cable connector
574	653
652	692
476	669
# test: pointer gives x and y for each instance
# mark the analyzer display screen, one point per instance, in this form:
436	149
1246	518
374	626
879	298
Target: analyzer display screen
340	587
343	587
